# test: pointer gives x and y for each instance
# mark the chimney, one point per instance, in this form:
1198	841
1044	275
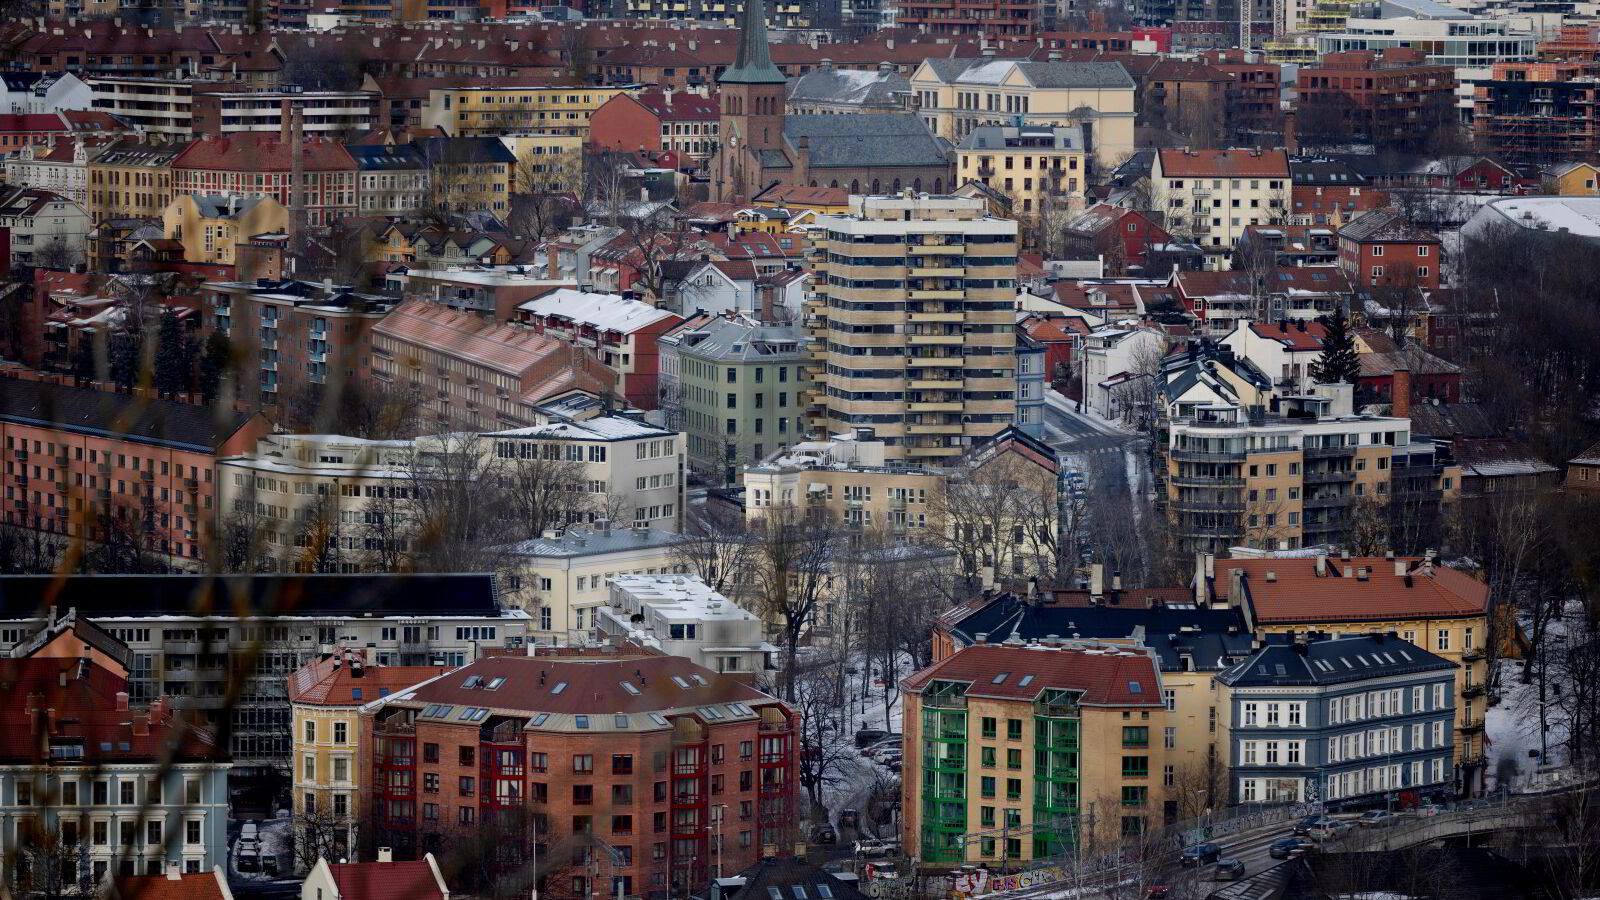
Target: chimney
141	726
1362	572
1097	580
1400	401
1200	592
1271	576
1349	571
1116	581
1399	568
1236	587
173	872
385	855
122	701
981	637
1322	565
1427	563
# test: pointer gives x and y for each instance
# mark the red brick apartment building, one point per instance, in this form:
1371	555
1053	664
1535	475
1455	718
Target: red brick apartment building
1389	96
259	164
665	763
970	17
1380	249
80	463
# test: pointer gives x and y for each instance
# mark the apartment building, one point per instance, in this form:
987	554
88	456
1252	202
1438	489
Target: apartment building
45	229
491	293
955	95
1191	643
496	109
1536	112
392	179
235	108
1115	364
330	786
667	763
476	374
912	323
97	462
256	164
210	226
133	789
150	105
1221	301
636	466
1211	196
1457	41
620	331
60	167
546	162
1009	745
680	615
1329	192
990	18
1039	167
193	638
315	331
846	479
681	122
43	93
1440	610
736	388
131	178
469	174
1380	249
562	577
1237	476
1393	97
1353	722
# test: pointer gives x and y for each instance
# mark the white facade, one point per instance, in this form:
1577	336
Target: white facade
1214	209
36	227
49	93
1277	359
1449	42
636	466
1110	352
67	177
151	105
682	616
561	578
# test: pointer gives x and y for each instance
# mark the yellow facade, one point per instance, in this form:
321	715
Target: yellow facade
209	232
120	191
1033	177
547	162
953	108
492	111
327	769
1574	180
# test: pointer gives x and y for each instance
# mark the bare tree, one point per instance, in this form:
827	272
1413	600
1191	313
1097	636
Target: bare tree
824	758
716	546
998	511
788	569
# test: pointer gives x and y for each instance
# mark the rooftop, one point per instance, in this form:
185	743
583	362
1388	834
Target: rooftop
599	428
161	423
1361	589
1332	661
1106	675
590	541
1236	163
230	596
603	312
345	679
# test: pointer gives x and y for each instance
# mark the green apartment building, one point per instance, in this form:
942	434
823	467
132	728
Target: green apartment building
735	387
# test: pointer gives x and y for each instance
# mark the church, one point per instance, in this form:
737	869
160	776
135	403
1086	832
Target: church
762	146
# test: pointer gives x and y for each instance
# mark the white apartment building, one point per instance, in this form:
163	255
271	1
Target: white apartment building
682	616
1118	364
61	168
1474	42
637	466
561	579
150	105
43	92
1211	196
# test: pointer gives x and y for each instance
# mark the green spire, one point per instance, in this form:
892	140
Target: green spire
754	62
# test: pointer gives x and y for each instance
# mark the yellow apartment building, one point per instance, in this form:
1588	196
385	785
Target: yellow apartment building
1020	752
956	96
1040	167
210	225
1440	609
498	109
131	179
330	782
547	162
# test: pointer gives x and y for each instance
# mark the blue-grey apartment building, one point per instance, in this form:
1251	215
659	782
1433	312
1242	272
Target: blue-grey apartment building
1352	722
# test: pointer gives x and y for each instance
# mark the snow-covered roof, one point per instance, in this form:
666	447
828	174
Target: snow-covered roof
604	312
601	428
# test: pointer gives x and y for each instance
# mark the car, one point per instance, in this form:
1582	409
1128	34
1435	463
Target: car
869	847
1305	825
1330	831
1228	869
849	818
1199	855
824	834
1290	847
1477	803
249	831
866	737
1376	818
1429	810
1159	891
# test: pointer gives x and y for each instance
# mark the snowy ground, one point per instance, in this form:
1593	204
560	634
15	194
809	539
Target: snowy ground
1115	428
276	840
1514	729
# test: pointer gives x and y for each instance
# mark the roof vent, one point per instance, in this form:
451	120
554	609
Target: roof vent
1271	576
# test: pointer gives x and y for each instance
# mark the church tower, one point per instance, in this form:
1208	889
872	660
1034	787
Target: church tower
752	96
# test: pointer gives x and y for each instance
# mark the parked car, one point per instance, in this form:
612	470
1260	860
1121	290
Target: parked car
849	818
1228	869
1199	855
1159	891
824	834
1305	825
871	848
866	737
1376	818
1290	847
1429	810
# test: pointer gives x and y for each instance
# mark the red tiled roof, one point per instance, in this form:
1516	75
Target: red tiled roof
586	686
1179	163
1054	329
92	120
1117	296
800	195
38	122
333	681
85	705
410	879
193	886
1106	676
262	152
682	107
1298	595
1290	334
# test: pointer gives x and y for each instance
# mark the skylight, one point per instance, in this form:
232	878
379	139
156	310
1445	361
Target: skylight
620	720
678	680
698	678
1001	678
494	683
1135	687
1026	680
658	718
540	719
560	686
628	686
581	721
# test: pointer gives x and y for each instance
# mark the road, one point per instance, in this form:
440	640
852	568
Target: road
1075	435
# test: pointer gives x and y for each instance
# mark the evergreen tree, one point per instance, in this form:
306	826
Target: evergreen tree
173	355
83	361
214	360
1339	361
124	350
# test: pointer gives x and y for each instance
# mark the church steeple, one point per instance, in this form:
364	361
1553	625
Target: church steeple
753	65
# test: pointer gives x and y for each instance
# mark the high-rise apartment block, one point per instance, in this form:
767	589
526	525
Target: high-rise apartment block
912	323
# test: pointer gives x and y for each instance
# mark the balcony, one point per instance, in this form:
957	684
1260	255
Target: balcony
1472	726
1327	501
947	249
1207	455
1472	654
1214	506
1330	477
1329	452
948	384
931	271
941	428
949	339
1472	690
936	316
1208	481
936	295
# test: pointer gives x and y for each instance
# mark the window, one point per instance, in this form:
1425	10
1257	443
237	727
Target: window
1135	767
468	755
340	732
989	727
986	786
1135	796
987	757
1013	729
1169	737
1013	758
1013	788
1135	736
430	753
1442	639
582	762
